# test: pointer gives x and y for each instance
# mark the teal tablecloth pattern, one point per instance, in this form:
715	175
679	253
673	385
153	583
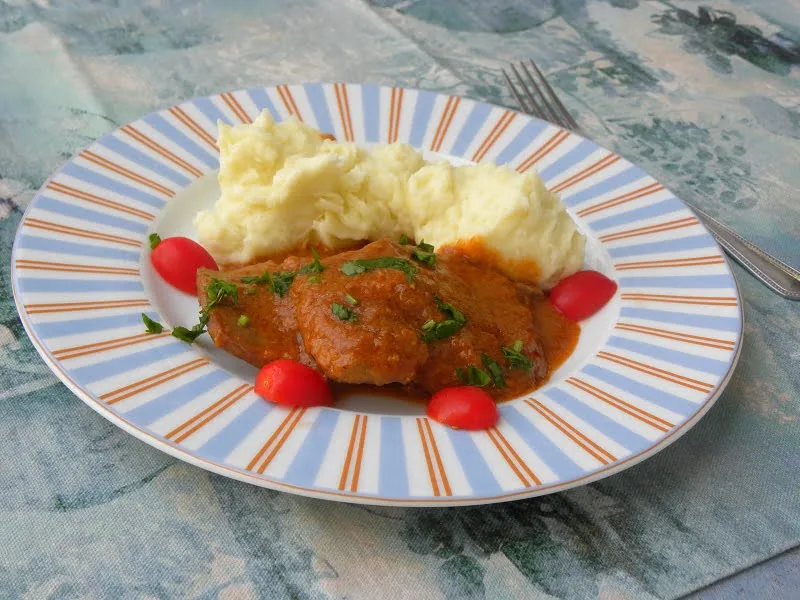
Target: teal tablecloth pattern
706	100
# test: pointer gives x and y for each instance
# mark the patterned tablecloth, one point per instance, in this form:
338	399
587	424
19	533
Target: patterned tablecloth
706	100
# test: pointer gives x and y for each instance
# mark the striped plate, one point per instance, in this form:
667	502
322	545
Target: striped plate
646	369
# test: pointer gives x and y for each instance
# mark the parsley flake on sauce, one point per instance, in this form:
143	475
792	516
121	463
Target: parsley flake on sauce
473	376
439	330
356	267
278	282
495	371
343	313
516	359
315	266
155	240
243	321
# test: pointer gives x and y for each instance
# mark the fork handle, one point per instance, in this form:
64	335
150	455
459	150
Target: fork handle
772	272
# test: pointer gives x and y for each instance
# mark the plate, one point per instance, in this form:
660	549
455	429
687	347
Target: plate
646	369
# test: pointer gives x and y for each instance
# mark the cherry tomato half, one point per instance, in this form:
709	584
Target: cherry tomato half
291	383
464	407
177	259
582	294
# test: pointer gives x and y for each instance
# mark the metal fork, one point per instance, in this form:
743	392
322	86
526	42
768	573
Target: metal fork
539	99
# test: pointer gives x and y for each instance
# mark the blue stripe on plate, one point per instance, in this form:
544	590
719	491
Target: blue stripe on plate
71	210
162	405
392	476
521	141
693	242
173	134
260	98
32	285
145	160
562	466
625	177
230	436
128	362
478	473
56	329
306	464
714	282
212	112
422	114
604	424
319	106
33	242
475	120
569	160
657	396
657	209
676	357
676	318
111	185
371	102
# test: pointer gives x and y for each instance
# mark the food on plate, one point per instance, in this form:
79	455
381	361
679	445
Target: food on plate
285	187
292	383
177	259
386	313
464	407
582	294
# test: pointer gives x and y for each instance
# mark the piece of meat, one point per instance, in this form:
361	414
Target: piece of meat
383	342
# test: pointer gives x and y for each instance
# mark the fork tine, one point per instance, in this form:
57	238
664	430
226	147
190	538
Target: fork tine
552	115
566	116
516	94
535	108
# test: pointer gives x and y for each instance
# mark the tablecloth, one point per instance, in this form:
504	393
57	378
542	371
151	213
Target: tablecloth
704	99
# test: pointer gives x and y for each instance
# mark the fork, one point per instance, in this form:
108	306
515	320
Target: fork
540	100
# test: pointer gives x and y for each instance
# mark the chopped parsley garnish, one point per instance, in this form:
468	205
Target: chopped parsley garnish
473	376
356	267
433	330
152	326
218	290
314	279
343	313
516	358
251	291
351	300
404	241
313	267
278	282
188	335
495	371
243	321
155	240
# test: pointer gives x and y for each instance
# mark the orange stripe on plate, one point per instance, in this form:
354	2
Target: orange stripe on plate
557	138
702	300
77	232
688	382
359	456
667	226
494	135
193	126
101	161
601	164
349	455
34	309
279	444
288	102
444	123
81	195
675	335
590	447
159	149
85	350
629	409
271	439
347	114
428	461
671	264
209	414
43	265
152	381
394	116
517	457
621	199
439	463
235	107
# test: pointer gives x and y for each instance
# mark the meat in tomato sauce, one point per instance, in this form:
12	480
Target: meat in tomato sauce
383	315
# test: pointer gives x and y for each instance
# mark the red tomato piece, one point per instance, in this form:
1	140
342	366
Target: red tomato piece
582	294
177	259
292	383
464	407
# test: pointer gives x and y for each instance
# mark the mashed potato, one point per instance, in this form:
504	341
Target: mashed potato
284	186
